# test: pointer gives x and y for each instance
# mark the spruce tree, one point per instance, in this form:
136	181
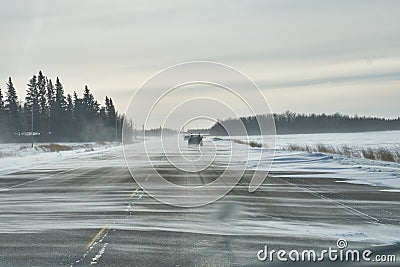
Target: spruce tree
91	124
13	109
69	118
2	107
60	102
32	105
111	112
50	103
59	112
43	107
90	105
41	85
112	118
70	105
3	119
31	98
78	117
50	93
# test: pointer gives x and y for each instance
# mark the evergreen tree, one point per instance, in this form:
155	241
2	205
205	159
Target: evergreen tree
59	111
13	109
111	113
105	133
90	105
109	118
114	122
103	115
2	105
78	117
43	107
90	121
70	106
41	85
50	103
1	100
294	123
59	102
31	98
67	118
32	105
50	93
3	119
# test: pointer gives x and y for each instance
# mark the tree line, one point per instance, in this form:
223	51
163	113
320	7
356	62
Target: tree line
53	116
295	123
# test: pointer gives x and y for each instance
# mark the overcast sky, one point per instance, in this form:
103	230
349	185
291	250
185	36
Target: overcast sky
306	56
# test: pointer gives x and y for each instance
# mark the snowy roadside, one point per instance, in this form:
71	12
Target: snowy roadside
18	157
354	170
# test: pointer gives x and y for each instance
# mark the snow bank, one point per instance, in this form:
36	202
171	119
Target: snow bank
17	157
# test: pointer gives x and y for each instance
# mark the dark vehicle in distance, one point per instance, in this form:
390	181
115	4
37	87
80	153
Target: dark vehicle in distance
195	139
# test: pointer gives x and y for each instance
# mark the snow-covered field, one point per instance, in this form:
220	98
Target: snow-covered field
354	170
387	139
16	157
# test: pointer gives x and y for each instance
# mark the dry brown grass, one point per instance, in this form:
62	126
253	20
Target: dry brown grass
250	143
385	155
293	147
238	141
326	149
255	144
368	154
381	153
398	154
348	151
55	147
241	142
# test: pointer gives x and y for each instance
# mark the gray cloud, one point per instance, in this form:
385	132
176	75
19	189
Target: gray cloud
113	46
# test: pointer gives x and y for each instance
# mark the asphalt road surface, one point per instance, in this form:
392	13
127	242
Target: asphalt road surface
89	211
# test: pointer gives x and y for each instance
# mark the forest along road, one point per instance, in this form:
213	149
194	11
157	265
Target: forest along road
88	210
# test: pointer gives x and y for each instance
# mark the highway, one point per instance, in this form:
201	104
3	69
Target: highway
89	211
